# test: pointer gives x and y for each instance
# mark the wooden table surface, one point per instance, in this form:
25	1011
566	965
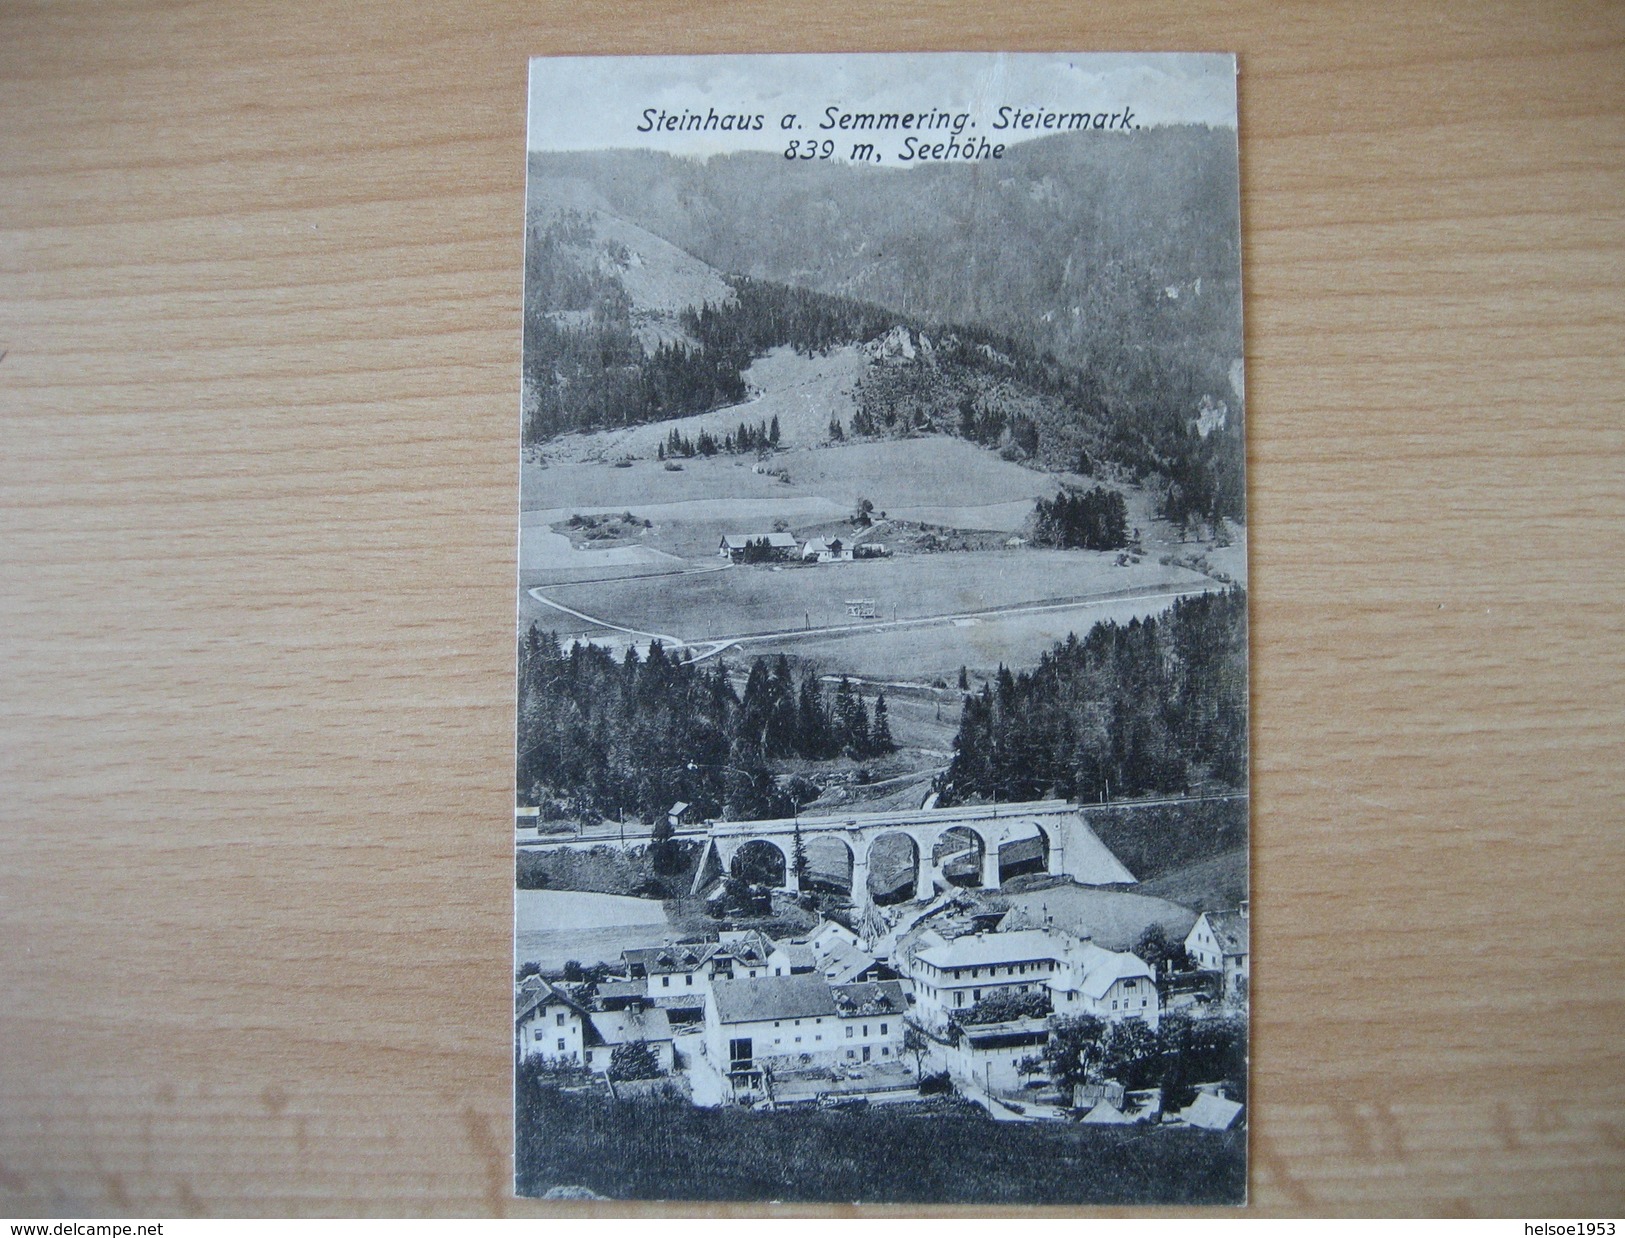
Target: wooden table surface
259	362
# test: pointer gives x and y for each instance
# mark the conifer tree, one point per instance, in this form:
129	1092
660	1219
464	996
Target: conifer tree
880	739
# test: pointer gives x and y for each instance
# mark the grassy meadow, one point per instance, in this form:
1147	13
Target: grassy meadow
653	1148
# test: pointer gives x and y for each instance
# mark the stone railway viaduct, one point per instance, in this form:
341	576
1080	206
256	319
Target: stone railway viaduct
1066	844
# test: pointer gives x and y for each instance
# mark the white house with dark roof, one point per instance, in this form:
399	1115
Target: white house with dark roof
743	954
841	962
547	1022
771	1020
682	967
1218	941
870	1017
607	1030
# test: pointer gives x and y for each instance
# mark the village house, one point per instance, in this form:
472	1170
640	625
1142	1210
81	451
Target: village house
870	1016
1110	984
1218	942
822	550
1079	977
743	954
673	969
989	1056
771	1021
547	1022
675	976
792	958
841	962
737	547
829	932
608	1030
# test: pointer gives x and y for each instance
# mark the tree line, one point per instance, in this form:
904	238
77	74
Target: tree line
1152	706
1182	1051
599	737
1097	520
762	436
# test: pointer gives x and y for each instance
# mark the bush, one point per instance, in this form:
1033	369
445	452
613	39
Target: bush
633	1060
936	1085
1003	1007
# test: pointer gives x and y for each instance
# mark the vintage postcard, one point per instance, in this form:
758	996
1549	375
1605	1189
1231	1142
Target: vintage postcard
882	768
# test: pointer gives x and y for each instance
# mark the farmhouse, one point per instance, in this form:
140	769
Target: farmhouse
747	547
821	550
608	1030
1218	942
547	1022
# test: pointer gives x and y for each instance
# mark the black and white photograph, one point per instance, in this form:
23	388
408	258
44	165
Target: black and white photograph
881	825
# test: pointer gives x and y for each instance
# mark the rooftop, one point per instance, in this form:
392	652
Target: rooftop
1212	1112
772	997
533	994
870	997
678	958
841	961
618	1027
982	949
1107	967
1230	928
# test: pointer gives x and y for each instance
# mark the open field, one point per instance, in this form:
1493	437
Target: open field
895	475
923	480
980	645
653	1148
755	600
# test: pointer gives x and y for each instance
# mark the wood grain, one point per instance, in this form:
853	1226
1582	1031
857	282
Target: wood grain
259	317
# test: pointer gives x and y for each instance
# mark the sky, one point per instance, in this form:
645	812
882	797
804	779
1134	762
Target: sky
597	102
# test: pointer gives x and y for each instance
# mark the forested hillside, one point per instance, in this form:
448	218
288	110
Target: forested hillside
636	735
1080	307
1112	255
1156	705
